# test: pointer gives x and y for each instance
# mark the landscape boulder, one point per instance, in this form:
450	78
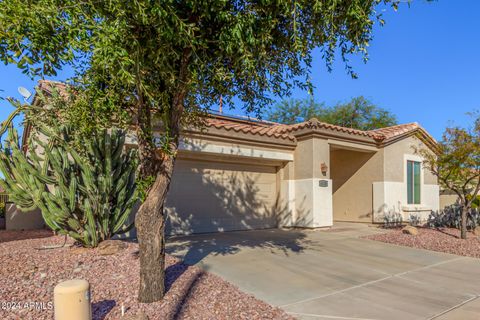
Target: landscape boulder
109	247
410	230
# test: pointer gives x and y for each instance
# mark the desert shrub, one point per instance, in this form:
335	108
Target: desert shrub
450	217
392	220
414	220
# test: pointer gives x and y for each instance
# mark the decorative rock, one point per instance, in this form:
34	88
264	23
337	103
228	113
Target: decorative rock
410	230
109	247
79	250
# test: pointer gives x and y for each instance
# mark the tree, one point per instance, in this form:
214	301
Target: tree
457	166
165	62
358	113
291	111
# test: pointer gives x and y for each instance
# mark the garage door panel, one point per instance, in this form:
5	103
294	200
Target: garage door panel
211	197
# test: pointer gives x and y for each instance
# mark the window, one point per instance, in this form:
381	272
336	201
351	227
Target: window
413	182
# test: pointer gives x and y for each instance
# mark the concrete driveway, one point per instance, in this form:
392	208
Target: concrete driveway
335	275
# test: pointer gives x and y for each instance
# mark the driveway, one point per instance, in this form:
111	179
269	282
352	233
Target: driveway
336	275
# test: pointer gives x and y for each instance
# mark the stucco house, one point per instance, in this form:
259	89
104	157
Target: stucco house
240	173
248	174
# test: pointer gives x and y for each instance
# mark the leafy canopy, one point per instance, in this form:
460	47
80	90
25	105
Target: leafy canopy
165	62
358	113
148	56
457	163
457	166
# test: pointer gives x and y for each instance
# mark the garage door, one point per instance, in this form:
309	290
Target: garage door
213	197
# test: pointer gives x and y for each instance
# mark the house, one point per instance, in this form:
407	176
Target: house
247	174
240	173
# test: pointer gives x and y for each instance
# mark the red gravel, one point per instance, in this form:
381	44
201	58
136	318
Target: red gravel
443	240
29	275
6	235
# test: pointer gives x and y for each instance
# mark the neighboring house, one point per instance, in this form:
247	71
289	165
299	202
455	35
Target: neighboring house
239	174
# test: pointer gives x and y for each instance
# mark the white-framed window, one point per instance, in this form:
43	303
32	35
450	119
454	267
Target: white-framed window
414	182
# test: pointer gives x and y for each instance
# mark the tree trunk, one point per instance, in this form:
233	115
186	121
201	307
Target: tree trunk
150	219
150	223
463	227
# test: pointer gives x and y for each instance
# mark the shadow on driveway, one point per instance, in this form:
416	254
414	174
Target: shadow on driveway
193	249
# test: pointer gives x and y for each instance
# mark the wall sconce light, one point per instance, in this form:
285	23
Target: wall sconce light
324	168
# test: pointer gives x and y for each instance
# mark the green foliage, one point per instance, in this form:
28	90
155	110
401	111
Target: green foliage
143	186
167	59
2	209
358	113
457	162
475	201
87	197
165	62
457	166
295	110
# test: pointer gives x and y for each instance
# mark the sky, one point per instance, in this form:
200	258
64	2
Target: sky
423	66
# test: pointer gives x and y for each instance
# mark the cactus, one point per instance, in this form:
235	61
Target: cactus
392	219
87	195
450	217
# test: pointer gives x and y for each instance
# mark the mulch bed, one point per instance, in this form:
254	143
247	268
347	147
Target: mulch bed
442	240
29	275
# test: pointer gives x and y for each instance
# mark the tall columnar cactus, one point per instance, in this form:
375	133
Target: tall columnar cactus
87	195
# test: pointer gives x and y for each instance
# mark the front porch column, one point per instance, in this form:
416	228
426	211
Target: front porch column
313	186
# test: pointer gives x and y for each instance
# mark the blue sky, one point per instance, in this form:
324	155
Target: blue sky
423	67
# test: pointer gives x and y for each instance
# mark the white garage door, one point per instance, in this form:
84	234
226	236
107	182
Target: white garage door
213	197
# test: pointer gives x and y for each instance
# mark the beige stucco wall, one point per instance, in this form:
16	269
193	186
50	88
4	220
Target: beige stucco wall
394	160
447	200
309	155
15	219
390	195
353	174
312	187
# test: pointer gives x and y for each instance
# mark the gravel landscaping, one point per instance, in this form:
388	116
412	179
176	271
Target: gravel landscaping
443	240
29	275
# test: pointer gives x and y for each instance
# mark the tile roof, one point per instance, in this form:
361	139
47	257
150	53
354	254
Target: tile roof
393	131
49	85
288	131
315	124
248	127
284	131
406	129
